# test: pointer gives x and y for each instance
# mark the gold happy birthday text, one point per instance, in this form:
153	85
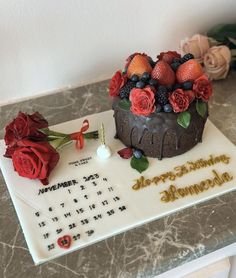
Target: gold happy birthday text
181	170
173	193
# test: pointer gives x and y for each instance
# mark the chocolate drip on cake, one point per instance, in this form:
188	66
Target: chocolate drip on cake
158	135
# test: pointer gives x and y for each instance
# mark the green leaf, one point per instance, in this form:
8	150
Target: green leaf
232	40
139	164
201	108
222	32
184	119
125	104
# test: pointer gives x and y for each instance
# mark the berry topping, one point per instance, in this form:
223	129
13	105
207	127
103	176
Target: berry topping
145	76
175	65
163	73
189	71
158	108
168	56
137	154
140	84
153	82
176	86
188	85
139	65
125	90
187	57
134	78
167	108
162	96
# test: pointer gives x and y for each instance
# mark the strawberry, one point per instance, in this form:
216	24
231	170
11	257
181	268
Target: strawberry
138	65
163	73
189	71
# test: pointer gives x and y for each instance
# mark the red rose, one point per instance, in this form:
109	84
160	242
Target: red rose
25	126
190	94
118	80
202	88
142	101
179	101
34	160
168	56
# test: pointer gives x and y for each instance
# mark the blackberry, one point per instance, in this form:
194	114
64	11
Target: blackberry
162	96
187	57
125	90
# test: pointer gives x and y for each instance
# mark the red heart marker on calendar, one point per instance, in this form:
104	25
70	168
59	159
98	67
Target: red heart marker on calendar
64	241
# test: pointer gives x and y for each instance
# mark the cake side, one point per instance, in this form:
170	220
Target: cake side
158	135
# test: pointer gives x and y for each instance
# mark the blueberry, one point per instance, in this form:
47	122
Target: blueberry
134	78
137	154
140	84
145	76
158	108
153	82
167	108
174	66
187	85
177	86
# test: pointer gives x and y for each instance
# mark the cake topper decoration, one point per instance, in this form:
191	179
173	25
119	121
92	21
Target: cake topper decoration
103	151
33	147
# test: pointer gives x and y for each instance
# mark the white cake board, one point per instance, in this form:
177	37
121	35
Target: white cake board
45	217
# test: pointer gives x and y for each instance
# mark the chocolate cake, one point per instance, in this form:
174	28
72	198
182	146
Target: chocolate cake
158	135
160	108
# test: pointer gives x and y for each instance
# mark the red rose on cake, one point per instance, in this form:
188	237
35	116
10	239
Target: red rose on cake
25	126
202	88
142	101
34	160
118	80
179	101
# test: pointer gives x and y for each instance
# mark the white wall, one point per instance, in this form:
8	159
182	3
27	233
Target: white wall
50	44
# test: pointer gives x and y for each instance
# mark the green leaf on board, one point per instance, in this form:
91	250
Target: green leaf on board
139	164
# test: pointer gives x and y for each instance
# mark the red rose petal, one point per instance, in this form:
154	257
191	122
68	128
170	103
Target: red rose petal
125	153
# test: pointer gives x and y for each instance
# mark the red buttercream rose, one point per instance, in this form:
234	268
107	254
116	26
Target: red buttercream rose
34	160
25	126
202	88
118	80
179	101
142	101
168	56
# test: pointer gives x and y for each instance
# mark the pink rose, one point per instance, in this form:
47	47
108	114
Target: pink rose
197	45
217	62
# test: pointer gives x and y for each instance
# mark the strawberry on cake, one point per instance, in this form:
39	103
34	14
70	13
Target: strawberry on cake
160	108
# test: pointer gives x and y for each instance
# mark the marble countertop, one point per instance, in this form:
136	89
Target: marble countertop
142	252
